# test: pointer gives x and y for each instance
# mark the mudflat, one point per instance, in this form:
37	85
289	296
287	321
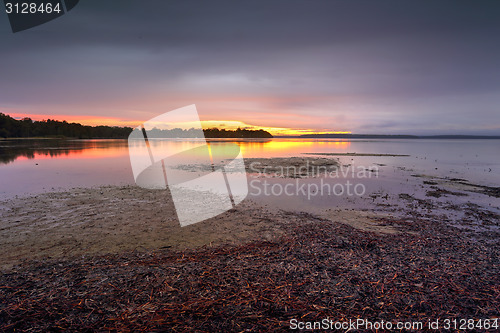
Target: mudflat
114	219
114	258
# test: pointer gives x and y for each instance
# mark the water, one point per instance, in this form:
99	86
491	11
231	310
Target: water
34	166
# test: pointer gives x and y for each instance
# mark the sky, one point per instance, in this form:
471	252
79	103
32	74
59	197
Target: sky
373	67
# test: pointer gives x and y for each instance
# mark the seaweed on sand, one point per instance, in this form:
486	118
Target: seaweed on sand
317	270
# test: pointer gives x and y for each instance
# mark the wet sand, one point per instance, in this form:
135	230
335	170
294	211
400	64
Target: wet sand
115	259
104	220
86	222
116	219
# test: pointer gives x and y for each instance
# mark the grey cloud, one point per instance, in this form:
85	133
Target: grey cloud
372	55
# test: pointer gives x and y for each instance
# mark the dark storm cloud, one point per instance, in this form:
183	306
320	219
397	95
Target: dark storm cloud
362	63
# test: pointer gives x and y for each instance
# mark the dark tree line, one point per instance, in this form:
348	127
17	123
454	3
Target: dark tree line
208	133
239	133
156	133
26	128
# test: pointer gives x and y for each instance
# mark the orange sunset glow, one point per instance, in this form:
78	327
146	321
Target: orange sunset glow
84	120
221	124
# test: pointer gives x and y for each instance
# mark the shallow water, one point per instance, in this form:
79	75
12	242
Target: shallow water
35	166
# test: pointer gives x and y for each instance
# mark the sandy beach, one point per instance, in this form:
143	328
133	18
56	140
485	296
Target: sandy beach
115	258
105	220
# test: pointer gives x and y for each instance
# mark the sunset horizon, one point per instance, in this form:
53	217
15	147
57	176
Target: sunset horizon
322	67
227	125
220	124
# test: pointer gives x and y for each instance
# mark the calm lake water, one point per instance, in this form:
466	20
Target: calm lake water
35	166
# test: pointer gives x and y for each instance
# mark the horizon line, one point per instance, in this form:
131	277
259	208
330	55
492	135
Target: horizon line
277	132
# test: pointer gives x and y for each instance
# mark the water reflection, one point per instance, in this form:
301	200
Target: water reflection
33	166
11	150
290	147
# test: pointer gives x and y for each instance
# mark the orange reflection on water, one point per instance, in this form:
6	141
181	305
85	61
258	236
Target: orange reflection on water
290	147
61	149
105	149
86	153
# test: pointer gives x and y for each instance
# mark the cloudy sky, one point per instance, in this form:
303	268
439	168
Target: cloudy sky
409	67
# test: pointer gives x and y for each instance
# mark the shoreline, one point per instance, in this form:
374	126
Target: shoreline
114	258
116	219
253	268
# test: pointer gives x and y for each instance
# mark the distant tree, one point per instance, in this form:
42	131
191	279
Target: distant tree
238	133
26	127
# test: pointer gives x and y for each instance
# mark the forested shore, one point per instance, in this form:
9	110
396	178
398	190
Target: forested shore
28	128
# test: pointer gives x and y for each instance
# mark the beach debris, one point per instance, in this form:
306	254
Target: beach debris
316	270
